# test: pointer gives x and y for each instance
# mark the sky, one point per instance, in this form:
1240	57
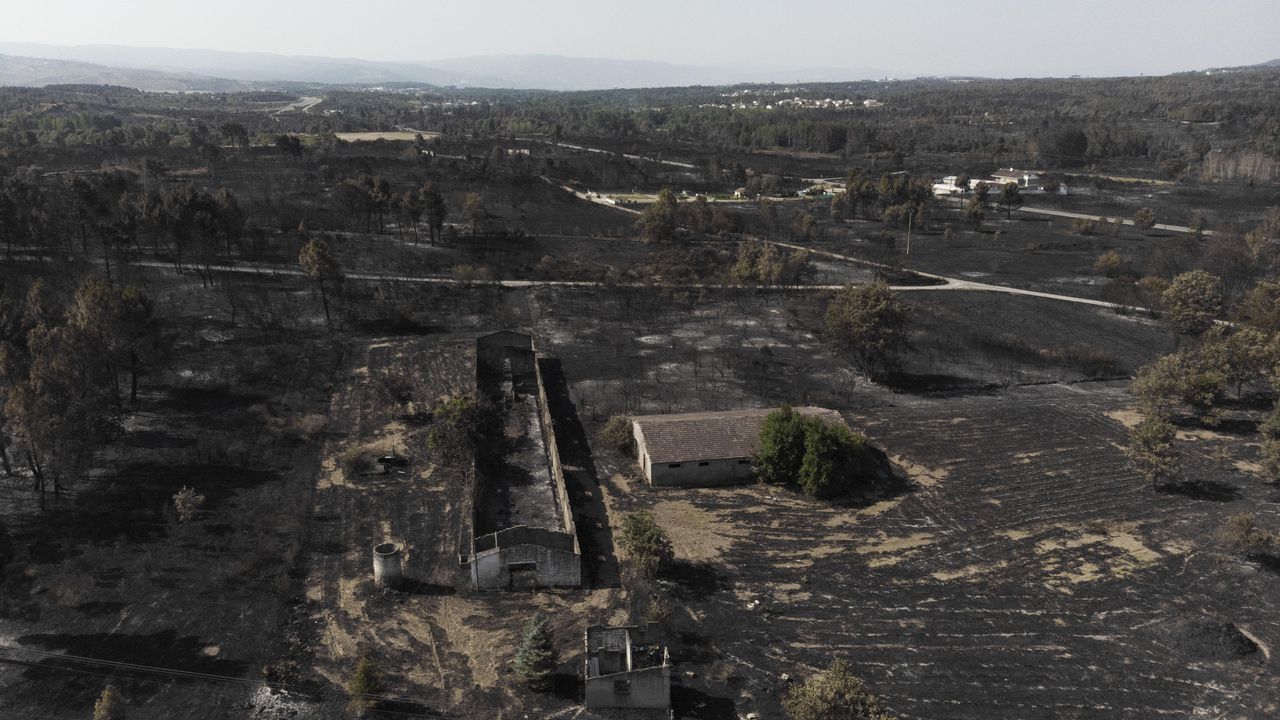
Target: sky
996	38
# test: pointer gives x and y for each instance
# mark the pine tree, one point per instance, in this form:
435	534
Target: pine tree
536	658
365	684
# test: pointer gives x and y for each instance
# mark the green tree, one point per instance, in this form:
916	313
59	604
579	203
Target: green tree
832	459
1192	302
536	657
1260	307
1010	198
647	546
1243	354
1151	452
868	323
782	447
59	410
319	264
835	694
110	705
364	687
1185	379
1144	218
658	222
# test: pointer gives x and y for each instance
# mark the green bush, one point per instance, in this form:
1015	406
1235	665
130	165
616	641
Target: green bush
836	694
832	459
646	543
616	433
781	447
824	460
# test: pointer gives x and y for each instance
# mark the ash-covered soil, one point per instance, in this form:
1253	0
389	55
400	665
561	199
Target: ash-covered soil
1025	572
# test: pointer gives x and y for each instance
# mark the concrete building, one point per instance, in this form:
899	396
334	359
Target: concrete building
1024	178
523	533
707	448
626	667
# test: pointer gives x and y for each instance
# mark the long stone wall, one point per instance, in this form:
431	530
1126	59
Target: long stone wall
556	554
553	454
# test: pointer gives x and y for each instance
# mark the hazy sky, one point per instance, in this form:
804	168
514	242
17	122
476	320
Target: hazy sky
981	37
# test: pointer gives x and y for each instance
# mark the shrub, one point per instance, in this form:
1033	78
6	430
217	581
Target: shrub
536	658
110	705
1144	218
1110	264
1240	532
355	462
462	427
835	693
616	434
364	687
468	273
832	459
781	447
308	426
1084	226
824	460
188	503
646	543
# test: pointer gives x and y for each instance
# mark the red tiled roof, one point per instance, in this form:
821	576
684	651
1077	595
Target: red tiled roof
711	435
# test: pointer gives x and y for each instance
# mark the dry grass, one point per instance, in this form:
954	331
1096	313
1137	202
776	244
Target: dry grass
389	135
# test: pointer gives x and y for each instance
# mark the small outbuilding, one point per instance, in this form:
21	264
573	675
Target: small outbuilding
626	667
705	448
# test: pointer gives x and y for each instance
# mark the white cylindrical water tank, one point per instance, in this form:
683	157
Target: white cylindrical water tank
386	565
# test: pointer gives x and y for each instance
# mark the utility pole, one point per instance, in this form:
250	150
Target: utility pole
911	214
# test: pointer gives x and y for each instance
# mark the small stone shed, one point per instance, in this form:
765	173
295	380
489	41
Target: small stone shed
626	667
705	448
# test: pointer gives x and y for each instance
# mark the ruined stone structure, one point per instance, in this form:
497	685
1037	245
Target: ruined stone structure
626	667
706	448
523	533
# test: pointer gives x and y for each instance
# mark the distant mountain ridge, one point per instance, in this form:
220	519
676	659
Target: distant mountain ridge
533	71
36	72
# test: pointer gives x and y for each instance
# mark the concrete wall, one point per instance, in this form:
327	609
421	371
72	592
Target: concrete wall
699	473
554	556
696	473
649	688
553	457
493	349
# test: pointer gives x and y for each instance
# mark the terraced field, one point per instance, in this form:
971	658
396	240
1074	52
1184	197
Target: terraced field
1026	573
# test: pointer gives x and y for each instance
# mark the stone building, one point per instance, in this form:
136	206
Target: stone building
705	448
523	533
626	667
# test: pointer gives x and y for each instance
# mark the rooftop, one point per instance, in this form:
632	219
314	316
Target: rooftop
711	435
